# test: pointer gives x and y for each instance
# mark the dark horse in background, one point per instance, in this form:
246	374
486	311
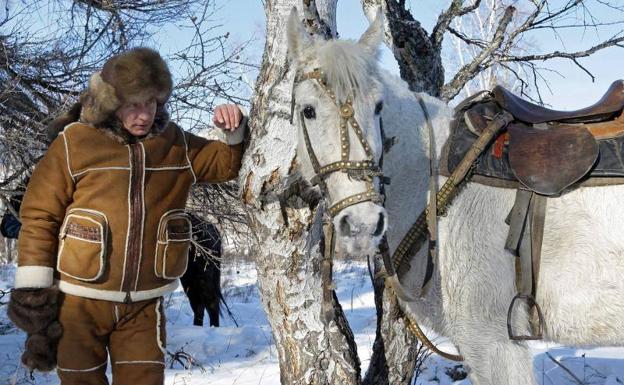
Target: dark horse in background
202	279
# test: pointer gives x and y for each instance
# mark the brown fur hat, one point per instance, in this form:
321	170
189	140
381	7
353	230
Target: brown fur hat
131	76
134	75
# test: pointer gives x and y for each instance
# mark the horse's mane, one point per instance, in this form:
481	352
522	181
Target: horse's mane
349	67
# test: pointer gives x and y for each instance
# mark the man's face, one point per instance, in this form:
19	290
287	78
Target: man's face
137	118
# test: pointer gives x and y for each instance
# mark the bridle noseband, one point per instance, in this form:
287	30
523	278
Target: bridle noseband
364	170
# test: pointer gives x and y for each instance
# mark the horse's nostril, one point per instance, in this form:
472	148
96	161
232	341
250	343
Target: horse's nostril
344	226
380	225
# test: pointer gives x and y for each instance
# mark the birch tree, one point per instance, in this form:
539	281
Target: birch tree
288	235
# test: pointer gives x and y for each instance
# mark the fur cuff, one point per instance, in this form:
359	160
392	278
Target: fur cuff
238	135
33	277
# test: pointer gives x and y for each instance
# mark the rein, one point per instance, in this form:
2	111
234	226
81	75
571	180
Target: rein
441	200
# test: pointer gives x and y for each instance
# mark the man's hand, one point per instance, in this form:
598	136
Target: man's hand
227	116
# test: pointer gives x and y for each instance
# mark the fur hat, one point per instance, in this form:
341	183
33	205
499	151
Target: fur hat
132	76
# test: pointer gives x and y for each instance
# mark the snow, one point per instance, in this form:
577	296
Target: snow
245	355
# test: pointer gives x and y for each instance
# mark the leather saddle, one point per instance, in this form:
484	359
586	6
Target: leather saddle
609	105
545	150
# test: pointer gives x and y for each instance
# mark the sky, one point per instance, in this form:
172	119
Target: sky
571	88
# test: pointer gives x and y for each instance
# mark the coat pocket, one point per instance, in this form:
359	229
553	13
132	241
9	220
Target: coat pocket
82	245
174	240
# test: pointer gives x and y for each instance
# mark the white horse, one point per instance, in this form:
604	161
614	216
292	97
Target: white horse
581	291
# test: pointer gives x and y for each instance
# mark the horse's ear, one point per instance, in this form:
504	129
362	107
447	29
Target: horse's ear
373	36
297	37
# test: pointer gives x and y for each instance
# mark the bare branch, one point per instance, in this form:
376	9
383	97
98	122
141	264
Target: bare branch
551	16
469	70
613	42
470	41
445	19
526	25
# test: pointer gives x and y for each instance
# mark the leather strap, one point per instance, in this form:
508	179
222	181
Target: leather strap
432	206
329	245
538	219
526	230
448	191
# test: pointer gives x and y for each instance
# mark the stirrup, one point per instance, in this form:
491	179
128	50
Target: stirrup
530	301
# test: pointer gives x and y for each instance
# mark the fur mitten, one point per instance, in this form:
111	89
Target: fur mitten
32	310
36	312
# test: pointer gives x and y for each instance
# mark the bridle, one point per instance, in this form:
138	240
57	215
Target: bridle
364	170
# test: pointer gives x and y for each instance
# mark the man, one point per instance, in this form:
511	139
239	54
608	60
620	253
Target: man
103	223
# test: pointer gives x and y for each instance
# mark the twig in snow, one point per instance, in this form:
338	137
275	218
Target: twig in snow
578	380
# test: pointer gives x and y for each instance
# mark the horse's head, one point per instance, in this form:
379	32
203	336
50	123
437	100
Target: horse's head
337	102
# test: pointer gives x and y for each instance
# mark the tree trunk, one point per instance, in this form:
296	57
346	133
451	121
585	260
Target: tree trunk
312	348
417	53
396	349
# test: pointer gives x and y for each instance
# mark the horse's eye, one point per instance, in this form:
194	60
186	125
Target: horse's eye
309	112
378	108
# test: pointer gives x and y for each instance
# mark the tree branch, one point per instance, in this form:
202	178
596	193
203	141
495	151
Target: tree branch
615	41
470	41
446	17
469	71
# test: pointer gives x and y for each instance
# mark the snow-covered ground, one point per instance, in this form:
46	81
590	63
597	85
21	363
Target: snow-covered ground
245	355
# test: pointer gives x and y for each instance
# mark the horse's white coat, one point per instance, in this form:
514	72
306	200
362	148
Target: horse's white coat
581	290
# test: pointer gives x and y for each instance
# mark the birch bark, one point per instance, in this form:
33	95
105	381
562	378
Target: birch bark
288	234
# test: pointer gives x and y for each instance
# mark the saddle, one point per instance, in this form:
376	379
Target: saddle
611	103
541	153
542	150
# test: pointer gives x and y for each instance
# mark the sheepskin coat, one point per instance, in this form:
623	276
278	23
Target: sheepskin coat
104	216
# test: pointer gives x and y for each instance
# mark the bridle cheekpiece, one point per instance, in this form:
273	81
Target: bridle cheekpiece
364	170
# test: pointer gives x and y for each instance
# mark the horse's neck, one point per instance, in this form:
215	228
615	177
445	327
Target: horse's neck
407	161
404	116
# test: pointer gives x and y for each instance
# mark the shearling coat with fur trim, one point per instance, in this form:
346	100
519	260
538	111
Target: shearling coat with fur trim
106	218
